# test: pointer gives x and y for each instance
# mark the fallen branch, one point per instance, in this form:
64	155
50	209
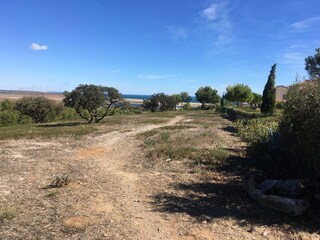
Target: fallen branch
290	206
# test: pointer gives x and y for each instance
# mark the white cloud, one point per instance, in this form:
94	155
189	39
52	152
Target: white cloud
294	58
38	47
155	76
216	23
305	24
210	13
178	32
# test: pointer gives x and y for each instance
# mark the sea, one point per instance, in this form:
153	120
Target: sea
143	97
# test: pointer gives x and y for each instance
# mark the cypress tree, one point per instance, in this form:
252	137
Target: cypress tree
269	93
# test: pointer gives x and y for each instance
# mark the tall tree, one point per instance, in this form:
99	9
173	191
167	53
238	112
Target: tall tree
268	105
313	65
207	95
238	93
93	102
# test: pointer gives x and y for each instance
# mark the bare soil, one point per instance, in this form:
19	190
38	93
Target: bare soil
115	193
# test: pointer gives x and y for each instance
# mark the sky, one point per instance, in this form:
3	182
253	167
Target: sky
151	46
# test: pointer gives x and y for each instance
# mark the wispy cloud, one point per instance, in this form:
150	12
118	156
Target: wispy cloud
38	47
291	57
155	76
210	12
305	24
178	32
217	24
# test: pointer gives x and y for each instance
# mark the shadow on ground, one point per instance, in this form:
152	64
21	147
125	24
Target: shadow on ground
64	124
228	199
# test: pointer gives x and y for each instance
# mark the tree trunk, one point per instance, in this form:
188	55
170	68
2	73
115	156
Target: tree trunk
290	206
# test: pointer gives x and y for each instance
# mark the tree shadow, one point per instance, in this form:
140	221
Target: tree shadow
228	198
209	201
61	124
229	129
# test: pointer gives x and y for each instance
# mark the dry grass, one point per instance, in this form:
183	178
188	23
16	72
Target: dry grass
193	139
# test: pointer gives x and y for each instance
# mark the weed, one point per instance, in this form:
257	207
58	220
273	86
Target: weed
8	213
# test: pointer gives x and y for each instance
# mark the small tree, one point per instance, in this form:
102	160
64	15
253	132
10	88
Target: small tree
269	93
239	93
162	102
207	95
185	97
93	102
256	100
38	108
176	99
313	65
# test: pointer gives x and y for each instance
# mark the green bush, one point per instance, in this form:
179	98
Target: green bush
40	109
280	105
258	133
241	114
8	117
300	129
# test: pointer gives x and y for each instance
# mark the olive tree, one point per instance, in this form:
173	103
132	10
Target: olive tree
38	108
93	102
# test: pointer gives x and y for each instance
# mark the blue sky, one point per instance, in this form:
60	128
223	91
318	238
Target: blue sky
149	46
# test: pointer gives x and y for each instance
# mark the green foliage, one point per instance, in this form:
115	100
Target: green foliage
237	113
256	100
207	95
258	133
93	102
40	109
300	129
280	105
239	93
269	93
161	102
185	97
8	117
7	105
187	106
313	65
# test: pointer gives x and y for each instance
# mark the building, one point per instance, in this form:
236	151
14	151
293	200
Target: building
281	93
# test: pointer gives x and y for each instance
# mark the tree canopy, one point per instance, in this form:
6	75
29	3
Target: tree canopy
185	97
313	65
93	102
239	93
38	108
269	93
162	102
207	95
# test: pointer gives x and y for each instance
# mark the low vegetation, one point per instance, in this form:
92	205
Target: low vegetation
194	141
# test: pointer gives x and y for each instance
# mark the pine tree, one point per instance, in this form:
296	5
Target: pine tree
269	93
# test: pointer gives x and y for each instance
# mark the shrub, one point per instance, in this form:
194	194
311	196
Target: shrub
300	129
40	109
258	133
8	117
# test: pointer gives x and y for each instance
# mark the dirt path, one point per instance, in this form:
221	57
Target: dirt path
103	200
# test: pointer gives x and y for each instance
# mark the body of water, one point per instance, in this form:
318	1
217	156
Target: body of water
136	96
